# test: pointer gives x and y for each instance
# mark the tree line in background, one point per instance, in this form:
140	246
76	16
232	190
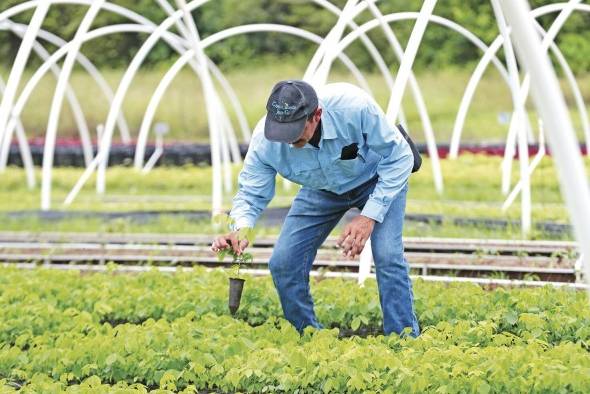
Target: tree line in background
441	47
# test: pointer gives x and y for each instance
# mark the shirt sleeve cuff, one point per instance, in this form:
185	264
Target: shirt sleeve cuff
374	210
241	223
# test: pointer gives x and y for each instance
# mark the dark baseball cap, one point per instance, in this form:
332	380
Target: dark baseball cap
289	105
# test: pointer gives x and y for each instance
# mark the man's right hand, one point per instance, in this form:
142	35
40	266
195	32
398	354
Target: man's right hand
230	240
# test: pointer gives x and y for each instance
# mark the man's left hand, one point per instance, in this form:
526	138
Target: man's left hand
355	235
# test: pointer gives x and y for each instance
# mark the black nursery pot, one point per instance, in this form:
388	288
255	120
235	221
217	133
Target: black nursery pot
236	286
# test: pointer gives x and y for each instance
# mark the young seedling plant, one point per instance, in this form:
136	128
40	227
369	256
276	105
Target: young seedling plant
237	260
236	282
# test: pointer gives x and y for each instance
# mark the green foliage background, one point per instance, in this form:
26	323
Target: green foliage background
441	47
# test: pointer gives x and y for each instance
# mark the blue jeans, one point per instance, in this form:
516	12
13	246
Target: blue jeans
310	220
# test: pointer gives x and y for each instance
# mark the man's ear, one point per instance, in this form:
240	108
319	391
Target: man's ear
318	114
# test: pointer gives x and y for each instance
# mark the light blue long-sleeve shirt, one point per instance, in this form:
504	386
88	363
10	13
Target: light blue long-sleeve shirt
349	115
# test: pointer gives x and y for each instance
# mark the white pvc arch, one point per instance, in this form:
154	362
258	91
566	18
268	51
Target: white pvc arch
368	44
434	19
210	40
401	16
55	111
365	40
419	102
549	37
395	100
41	71
241	118
56	55
54	115
60	52
133	16
76	2
102	156
212	104
547	42
181	62
19	29
319	67
418	98
75	107
519	96
482	65
19	65
321	71
372	51
518	118
560	132
24	148
123	86
102	84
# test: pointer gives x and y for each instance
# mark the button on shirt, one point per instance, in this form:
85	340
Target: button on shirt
349	115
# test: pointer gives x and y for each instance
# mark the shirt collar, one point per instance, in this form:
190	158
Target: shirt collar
328	130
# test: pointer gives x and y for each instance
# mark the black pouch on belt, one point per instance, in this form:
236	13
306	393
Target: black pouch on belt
417	157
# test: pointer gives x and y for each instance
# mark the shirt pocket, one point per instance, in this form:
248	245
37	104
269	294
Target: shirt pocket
350	167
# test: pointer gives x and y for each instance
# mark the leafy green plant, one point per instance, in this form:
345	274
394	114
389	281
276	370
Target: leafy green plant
225	221
237	259
531	277
497	275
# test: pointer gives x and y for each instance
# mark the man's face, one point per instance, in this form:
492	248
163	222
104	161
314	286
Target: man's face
308	129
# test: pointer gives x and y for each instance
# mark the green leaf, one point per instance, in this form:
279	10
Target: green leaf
222	220
102	308
86	369
92	382
511	317
248	233
329	385
168	381
484	388
233	376
298	359
356	323
111	359
356	382
221	254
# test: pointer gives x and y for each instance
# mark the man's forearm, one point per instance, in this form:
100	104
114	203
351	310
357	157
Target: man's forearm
393	176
